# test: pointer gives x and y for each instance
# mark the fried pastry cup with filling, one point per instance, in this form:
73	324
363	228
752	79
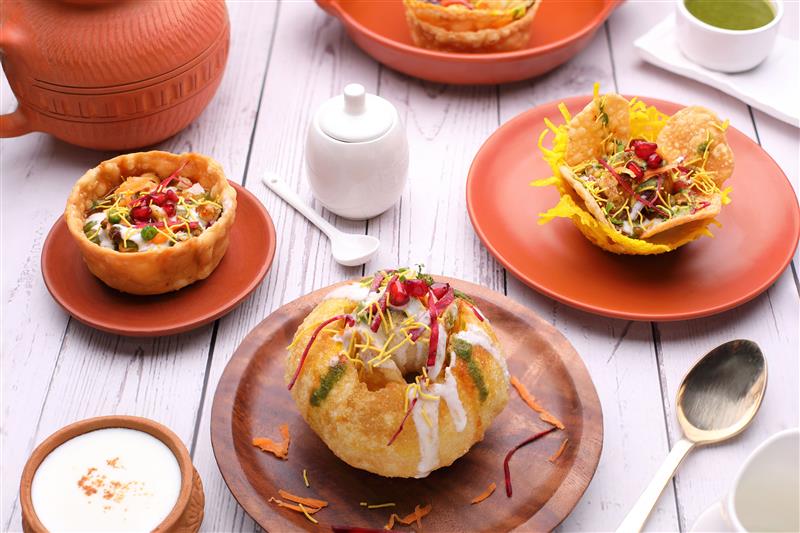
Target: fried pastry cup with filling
634	180
372	396
134	237
471	26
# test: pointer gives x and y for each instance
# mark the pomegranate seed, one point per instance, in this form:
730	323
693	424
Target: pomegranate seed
439	289
416	287
159	198
169	209
172	196
397	294
141	212
638	173
644	149
654	160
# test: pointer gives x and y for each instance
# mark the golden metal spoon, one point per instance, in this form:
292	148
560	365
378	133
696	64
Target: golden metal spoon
717	399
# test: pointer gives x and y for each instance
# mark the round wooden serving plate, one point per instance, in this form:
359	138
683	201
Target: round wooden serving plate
252	401
246	262
758	234
560	30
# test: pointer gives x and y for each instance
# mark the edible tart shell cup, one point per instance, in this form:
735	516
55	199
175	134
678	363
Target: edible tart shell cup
187	514
166	269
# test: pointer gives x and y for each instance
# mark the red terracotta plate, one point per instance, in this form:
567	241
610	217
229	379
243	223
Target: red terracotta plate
252	401
759	232
249	256
560	30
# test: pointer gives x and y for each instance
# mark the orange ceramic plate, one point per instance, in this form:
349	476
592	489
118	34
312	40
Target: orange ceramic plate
759	232
559	32
249	256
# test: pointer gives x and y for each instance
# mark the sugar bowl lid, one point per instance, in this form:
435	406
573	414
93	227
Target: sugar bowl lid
356	116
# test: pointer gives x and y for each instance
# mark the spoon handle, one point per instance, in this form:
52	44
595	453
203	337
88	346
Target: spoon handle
637	516
282	189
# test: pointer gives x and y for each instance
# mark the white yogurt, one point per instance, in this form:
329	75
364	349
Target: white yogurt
113	479
428	435
448	390
352	291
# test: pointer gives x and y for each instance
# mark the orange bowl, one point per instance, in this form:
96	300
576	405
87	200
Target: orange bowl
379	28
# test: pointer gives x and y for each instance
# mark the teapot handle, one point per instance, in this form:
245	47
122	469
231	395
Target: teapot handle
14	124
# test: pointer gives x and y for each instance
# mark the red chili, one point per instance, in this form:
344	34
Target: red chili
376	322
434	340
638	173
348	320
476	312
402	422
510	454
376	282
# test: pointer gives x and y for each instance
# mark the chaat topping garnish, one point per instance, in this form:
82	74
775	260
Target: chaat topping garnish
145	213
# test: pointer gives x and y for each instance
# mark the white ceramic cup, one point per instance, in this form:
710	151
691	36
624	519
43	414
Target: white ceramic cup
765	493
725	50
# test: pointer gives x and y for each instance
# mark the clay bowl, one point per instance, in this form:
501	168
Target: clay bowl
559	32
185	517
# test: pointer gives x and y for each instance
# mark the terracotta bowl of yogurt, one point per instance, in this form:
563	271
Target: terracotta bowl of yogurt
111	473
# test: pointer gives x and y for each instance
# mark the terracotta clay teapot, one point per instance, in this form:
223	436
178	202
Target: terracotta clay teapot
111	75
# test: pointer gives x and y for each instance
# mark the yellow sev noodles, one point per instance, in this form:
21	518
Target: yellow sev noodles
646	122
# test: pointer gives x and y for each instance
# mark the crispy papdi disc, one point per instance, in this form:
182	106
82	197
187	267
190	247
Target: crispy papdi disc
685	135
603	116
487	14
589	201
708	212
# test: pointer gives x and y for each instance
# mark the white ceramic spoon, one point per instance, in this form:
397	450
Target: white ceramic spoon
348	249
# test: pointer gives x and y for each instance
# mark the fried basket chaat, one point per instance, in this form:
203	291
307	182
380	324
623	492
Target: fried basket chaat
152	222
477	26
398	374
634	180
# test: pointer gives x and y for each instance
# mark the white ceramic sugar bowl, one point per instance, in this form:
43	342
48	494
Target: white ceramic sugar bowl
357	154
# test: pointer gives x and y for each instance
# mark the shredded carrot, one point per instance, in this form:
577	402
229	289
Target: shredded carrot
278	449
416	516
485	494
528	398
308	502
293	507
553	458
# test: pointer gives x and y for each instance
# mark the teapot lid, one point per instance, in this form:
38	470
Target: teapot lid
356	116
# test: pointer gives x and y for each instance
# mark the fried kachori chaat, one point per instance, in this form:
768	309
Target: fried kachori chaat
397	373
471	26
634	180
152	222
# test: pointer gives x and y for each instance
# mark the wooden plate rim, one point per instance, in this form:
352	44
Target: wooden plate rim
566	496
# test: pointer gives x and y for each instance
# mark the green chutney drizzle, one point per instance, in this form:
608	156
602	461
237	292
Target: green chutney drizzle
463	350
732	14
331	377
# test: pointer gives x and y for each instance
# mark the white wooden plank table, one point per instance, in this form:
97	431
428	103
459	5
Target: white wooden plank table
286	59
